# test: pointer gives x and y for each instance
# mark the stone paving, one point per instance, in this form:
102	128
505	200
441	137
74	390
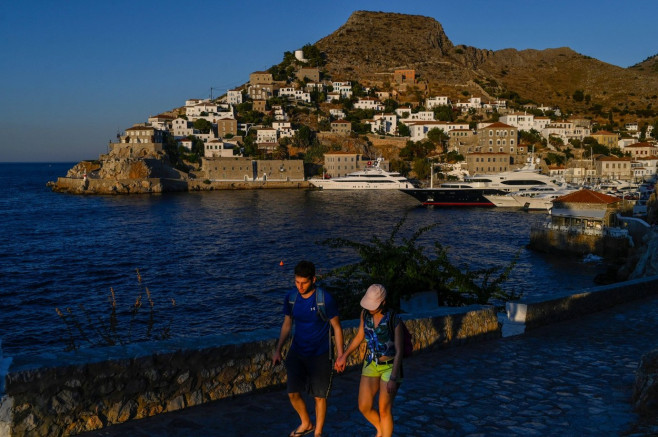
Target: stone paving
572	378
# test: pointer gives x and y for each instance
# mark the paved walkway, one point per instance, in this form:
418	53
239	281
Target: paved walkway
573	378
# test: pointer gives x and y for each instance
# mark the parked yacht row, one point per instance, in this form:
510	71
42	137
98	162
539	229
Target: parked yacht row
525	188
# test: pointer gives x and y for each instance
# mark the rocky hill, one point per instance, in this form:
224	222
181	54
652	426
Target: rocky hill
371	44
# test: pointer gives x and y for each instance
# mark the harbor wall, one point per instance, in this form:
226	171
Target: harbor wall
578	243
68	393
540	312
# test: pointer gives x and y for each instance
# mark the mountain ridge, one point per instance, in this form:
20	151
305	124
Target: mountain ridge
371	44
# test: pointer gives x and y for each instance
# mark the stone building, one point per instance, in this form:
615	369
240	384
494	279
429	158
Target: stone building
248	169
341	127
339	164
583	222
487	162
612	167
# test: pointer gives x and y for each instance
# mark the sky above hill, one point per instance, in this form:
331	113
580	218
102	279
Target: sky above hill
75	72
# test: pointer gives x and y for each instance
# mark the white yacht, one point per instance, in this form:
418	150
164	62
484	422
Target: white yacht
373	177
534	198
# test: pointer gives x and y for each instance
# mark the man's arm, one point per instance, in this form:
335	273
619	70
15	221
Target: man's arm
338	335
286	327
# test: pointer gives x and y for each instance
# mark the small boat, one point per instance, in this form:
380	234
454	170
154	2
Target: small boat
373	177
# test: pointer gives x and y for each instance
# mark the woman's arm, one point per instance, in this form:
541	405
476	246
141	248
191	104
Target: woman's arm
354	344
394	382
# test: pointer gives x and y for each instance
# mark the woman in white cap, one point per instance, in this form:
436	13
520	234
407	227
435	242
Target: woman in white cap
382	366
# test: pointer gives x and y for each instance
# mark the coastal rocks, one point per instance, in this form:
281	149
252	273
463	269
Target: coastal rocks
645	394
123	171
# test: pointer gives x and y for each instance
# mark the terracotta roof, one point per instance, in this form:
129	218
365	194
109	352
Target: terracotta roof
499	124
587	196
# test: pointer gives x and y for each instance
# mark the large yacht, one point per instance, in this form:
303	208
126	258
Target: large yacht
373	177
473	190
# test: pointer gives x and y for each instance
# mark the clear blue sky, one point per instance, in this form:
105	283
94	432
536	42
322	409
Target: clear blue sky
74	72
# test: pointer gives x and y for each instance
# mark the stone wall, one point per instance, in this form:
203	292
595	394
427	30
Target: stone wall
540	312
69	393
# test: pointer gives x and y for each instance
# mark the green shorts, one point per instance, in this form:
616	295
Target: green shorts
376	370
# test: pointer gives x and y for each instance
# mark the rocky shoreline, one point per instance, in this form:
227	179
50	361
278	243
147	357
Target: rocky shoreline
121	172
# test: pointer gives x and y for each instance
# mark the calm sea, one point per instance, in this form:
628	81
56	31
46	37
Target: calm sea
217	254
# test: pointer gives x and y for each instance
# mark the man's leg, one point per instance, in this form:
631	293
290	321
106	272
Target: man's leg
299	405
320	414
297	376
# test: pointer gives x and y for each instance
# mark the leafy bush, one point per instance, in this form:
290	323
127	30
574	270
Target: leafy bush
404	269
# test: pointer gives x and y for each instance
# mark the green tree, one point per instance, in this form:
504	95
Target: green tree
403	130
578	96
438	136
444	113
202	125
422	168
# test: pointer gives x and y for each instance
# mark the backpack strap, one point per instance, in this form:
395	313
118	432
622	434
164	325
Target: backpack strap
319	301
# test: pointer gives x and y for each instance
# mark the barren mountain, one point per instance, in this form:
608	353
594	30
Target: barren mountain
371	45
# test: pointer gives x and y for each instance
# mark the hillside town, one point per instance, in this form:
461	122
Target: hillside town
302	120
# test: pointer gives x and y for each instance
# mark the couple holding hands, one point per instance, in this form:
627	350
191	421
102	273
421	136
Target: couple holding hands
308	362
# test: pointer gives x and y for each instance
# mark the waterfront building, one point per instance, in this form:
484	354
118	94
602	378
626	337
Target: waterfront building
583	222
238	168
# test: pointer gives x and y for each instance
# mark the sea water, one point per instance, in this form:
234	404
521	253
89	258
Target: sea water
225	258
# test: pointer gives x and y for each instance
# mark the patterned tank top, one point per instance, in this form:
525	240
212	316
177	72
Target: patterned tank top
378	339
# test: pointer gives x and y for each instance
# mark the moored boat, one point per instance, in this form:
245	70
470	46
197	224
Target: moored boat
373	177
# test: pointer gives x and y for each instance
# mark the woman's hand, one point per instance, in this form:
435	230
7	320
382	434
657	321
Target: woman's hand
339	365
392	386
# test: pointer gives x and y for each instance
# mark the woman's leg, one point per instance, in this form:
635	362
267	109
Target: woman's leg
385	410
367	391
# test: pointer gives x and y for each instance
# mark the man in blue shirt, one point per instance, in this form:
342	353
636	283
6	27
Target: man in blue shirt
308	362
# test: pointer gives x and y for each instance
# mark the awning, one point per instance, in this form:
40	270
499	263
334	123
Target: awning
598	214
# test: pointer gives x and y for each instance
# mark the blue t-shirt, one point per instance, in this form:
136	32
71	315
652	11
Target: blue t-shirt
311	332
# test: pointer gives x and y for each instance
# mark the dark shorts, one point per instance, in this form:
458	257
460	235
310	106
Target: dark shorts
309	374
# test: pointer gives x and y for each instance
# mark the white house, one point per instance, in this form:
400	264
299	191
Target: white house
199	108
344	89
369	103
520	120
384	124
182	128
419	129
337	114
471	103
420	116
218	149
433	102
234	97
266	135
